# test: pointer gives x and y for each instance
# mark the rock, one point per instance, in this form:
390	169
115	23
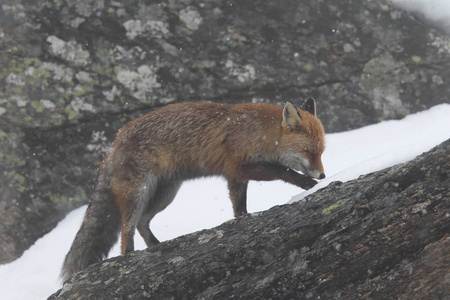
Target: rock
73	72
382	236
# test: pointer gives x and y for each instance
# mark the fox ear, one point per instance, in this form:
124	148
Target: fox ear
310	106
291	118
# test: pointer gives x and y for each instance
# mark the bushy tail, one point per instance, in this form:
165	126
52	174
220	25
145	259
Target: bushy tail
97	235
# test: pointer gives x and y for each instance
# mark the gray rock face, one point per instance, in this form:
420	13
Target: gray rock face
382	236
73	72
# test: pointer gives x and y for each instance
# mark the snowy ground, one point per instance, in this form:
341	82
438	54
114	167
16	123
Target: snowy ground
204	203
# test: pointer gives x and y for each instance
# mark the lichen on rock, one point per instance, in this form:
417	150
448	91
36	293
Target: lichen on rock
245	73
382	77
70	51
140	82
153	28
191	18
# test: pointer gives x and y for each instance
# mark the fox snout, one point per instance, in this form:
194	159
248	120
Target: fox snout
298	162
316	174
310	171
314	170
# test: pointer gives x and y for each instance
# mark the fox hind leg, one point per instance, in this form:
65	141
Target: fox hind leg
164	195
132	203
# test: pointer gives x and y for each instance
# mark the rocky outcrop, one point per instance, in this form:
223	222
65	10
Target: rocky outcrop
74	71
382	236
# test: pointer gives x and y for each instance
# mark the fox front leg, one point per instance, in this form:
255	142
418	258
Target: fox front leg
265	171
238	196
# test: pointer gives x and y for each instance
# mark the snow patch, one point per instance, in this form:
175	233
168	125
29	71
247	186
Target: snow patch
434	11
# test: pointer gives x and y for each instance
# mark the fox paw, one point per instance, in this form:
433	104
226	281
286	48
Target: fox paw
307	183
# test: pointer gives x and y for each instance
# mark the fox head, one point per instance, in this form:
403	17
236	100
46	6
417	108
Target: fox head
302	139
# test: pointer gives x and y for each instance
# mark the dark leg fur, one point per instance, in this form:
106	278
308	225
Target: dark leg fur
134	209
265	171
165	193
238	196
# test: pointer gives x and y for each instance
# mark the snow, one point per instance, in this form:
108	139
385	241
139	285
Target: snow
434	11
204	203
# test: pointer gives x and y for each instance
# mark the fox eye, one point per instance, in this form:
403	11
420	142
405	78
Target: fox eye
309	152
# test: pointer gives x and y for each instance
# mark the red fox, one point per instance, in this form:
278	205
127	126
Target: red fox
151	156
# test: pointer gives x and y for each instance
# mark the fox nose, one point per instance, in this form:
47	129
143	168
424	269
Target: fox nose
322	176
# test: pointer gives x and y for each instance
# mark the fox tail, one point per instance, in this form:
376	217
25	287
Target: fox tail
97	234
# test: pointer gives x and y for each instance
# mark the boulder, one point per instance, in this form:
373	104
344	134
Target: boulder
382	236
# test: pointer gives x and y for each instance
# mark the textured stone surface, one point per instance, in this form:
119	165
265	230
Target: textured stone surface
74	71
382	236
